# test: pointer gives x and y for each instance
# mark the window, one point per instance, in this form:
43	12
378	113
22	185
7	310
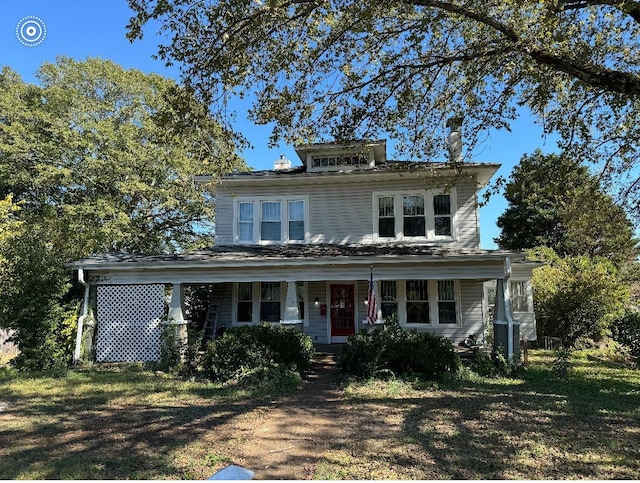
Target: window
519	299
340	160
420	215
388	298
442	215
417	301
270	301
413	215
245	222
270	226
386	217
446	302
271	220
296	220
245	302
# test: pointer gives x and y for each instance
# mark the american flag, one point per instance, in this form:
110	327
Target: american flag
372	302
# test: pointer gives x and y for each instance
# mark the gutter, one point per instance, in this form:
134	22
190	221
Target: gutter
81	319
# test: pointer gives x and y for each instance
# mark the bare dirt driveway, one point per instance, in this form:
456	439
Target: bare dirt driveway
285	441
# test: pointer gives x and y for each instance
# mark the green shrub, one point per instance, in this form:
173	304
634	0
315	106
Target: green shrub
390	349
246	349
626	331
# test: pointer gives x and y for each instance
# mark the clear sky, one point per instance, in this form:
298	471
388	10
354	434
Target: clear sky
86	28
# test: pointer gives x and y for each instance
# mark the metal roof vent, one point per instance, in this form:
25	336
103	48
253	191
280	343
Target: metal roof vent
282	163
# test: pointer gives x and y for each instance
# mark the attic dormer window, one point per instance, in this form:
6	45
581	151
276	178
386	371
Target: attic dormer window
342	160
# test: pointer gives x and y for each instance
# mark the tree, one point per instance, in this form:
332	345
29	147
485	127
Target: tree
555	202
112	153
577	296
98	159
346	68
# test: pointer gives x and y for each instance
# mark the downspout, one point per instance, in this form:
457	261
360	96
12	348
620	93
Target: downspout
81	319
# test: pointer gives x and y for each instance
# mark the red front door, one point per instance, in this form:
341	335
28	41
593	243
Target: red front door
342	310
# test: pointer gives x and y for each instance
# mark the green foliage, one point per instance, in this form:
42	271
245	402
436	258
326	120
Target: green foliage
392	350
576	297
350	69
97	158
555	202
244	350
494	365
626	331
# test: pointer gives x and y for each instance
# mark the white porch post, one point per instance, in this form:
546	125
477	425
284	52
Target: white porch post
503	313
176	315
175	306
291	311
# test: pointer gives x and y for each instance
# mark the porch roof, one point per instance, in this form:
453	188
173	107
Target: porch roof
281	255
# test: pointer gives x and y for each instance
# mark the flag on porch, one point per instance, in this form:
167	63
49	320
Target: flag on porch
372	302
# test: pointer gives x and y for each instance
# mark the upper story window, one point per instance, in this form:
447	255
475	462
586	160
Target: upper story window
272	220
421	215
341	160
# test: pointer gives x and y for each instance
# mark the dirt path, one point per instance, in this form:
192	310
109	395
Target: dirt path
286	442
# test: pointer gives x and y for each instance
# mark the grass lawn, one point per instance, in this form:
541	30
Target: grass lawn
126	422
539	426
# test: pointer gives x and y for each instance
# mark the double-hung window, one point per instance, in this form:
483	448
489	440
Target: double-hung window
245	222
245	302
388	298
519	298
417	292
442	215
416	216
269	301
296	220
413	216
271	220
446	302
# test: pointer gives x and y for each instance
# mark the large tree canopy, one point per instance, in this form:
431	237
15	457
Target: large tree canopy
555	202
109	154
95	158
341	69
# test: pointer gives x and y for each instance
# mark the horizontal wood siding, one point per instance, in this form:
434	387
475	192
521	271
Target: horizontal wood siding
341	213
318	324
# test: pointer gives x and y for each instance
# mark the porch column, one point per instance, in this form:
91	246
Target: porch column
176	315
505	328
291	311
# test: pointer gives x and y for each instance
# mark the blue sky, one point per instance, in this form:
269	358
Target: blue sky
85	28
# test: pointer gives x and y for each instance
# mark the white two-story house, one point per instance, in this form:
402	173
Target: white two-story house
299	245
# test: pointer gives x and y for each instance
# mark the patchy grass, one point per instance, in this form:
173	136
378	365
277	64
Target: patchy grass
117	422
538	426
127	422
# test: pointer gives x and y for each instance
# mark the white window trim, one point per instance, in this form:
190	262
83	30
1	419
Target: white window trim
255	309
257	219
401	293
528	293
429	215
368	155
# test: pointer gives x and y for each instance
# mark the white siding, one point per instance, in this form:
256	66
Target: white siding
342	213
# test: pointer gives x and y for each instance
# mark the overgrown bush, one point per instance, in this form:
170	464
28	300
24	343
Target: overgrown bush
493	365
391	350
626	331
246	349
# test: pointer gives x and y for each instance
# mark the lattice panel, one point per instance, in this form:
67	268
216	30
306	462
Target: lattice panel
129	322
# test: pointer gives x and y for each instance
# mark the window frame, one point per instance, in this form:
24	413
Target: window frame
433	305
430	216
257	203
256	293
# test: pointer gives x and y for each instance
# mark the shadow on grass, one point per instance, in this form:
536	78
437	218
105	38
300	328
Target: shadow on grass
585	425
108	424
